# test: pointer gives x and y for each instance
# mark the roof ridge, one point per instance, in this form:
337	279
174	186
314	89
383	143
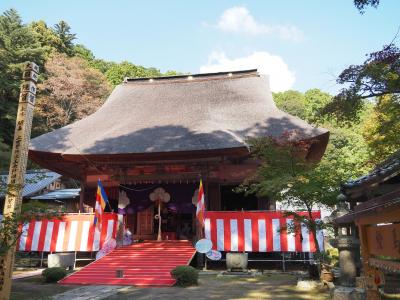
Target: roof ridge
240	73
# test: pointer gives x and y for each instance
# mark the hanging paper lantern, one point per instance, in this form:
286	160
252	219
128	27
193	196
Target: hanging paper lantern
159	194
123	200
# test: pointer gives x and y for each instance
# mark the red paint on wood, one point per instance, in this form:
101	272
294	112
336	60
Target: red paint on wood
143	264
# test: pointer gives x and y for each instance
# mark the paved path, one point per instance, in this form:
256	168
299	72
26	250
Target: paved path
90	292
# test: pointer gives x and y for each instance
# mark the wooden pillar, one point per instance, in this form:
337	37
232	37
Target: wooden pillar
214	197
123	201
82	197
369	273
16	175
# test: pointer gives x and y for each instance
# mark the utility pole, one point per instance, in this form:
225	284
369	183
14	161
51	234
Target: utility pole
16	175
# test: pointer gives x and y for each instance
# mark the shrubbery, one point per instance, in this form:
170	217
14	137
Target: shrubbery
54	274
185	275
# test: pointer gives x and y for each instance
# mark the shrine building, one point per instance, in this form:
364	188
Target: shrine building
170	132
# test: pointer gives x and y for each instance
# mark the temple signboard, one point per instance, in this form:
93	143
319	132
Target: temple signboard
19	158
384	240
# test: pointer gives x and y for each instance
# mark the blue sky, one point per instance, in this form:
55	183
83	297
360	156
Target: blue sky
300	44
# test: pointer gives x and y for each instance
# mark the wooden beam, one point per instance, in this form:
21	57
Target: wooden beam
82	196
195	176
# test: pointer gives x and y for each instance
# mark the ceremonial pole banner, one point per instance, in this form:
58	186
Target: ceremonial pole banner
101	201
200	207
262	231
18	162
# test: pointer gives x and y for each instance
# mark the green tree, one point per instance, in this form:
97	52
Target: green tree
286	176
83	52
102	65
18	44
382	127
379	75
172	73
117	72
46	36
362	4
314	101
305	106
40	43
63	31
292	102
5	155
9	233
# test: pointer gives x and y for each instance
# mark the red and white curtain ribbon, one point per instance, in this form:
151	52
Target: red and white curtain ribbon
261	231
70	232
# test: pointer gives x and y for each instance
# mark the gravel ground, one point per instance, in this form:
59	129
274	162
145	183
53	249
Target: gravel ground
273	286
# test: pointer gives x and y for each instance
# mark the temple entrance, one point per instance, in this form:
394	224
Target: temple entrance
145	224
177	212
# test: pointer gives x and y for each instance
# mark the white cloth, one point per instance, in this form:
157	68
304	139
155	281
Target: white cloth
127	238
108	246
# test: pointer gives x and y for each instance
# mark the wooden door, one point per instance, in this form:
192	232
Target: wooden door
145	222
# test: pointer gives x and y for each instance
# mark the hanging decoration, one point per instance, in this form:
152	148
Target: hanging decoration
159	196
195	197
181	199
123	202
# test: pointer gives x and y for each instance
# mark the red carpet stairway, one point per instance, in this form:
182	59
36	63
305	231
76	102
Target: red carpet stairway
143	264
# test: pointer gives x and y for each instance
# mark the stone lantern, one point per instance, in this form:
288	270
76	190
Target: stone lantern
347	242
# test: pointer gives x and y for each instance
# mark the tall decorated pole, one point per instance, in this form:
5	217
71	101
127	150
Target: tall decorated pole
19	158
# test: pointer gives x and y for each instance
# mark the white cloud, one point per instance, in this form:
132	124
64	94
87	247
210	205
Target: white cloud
281	78
238	19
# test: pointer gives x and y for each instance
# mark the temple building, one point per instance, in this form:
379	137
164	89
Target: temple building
170	132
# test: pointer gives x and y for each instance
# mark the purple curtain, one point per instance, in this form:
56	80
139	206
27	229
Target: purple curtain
181	197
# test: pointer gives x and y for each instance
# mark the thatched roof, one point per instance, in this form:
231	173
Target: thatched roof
180	113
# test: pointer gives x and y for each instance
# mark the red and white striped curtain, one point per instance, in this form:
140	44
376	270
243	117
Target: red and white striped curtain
261	231
70	232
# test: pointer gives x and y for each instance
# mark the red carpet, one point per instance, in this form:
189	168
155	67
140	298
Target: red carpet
143	264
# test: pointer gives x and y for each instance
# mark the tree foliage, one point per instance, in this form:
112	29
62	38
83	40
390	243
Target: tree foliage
18	44
63	31
292	102
41	43
5	155
286	176
362	4
305	106
379	75
372	87
46	36
71	91
382	128
117	72
10	224
315	100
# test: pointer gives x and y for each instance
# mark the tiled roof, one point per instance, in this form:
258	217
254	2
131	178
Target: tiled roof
35	181
58	195
385	171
